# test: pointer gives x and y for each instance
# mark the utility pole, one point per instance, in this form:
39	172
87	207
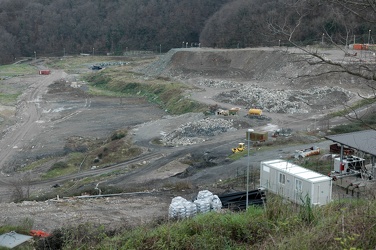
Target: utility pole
248	135
369	35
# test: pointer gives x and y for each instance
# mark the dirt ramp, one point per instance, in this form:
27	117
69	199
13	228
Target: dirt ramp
284	67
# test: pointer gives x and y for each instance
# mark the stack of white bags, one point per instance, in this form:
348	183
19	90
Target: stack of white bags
180	208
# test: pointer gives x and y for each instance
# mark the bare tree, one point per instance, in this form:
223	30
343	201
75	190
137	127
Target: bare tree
365	70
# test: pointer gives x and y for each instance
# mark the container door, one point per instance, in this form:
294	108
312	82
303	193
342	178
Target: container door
298	191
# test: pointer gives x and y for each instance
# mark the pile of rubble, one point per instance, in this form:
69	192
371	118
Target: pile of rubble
218	84
286	101
196	131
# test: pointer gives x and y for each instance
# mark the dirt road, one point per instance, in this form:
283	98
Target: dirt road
28	118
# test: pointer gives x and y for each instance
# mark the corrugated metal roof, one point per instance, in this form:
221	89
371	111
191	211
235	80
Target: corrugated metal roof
13	239
364	141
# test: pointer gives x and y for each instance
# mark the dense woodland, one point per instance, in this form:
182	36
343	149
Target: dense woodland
67	27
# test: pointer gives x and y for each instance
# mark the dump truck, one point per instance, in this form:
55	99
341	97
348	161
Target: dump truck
232	111
257	114
239	148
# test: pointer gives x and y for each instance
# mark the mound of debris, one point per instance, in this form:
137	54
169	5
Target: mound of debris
218	84
286	101
197	131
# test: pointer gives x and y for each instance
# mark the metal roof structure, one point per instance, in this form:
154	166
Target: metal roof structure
13	239
364	141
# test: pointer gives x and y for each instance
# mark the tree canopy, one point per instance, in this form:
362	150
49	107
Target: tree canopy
58	27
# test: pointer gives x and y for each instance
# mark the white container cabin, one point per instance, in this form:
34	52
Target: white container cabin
295	182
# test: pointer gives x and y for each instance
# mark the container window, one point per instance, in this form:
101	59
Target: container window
282	178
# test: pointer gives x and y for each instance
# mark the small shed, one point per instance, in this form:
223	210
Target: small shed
295	182
259	136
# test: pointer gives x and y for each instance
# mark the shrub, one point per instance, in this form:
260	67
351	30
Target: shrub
59	165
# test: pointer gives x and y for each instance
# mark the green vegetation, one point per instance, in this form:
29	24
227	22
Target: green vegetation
23	227
119	82
59	169
342	224
357	105
9	95
16	70
8	99
365	122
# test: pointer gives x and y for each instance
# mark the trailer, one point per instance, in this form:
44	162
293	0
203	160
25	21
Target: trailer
295	183
259	136
44	72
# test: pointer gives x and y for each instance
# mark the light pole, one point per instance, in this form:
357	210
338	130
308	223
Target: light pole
322	39
369	35
35	55
93	51
248	135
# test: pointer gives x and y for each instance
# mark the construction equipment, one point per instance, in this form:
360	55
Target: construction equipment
257	114
314	150
239	148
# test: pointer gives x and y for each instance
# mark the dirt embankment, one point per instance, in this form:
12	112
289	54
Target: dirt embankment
287	76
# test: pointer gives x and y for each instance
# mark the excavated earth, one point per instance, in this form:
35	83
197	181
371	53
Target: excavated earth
292	89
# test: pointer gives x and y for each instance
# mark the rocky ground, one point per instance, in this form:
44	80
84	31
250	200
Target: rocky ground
293	93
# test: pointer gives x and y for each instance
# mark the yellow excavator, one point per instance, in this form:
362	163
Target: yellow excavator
239	148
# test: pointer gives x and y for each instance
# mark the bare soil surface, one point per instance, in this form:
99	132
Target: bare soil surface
46	116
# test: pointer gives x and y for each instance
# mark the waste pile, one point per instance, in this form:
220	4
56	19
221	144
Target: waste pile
192	132
289	101
180	208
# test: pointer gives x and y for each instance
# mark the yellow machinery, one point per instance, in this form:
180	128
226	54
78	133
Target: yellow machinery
239	148
257	112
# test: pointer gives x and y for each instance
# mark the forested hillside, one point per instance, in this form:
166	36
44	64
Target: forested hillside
62	27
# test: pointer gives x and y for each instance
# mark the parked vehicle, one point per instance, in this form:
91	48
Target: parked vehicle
239	148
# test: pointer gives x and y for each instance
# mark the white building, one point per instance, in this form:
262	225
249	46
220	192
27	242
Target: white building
295	182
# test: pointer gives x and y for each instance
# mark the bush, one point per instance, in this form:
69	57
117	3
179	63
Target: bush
59	165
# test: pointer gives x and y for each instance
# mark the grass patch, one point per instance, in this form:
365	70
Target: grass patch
281	225
59	169
355	106
23	227
9	99
365	123
119	82
16	70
